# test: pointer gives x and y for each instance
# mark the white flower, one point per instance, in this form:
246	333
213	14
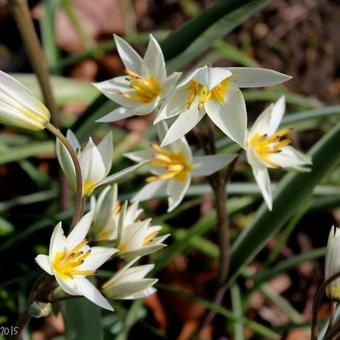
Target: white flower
269	148
95	162
173	168
215	91
130	283
145	84
18	106
137	237
70	260
332	264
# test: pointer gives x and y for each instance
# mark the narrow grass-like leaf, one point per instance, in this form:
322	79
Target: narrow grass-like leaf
237	310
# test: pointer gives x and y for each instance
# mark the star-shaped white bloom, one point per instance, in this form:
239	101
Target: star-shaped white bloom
215	91
70	260
145	85
172	169
95	162
130	283
269	148
18	106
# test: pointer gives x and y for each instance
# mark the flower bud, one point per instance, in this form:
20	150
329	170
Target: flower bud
39	309
18	106
332	265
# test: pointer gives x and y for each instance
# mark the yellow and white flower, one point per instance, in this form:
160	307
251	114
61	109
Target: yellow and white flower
137	237
215	91
130	283
95	162
172	169
332	264
145	85
269	148
71	260
19	107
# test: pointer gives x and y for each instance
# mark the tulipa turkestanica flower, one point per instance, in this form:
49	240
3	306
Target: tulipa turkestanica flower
95	162
332	263
172	168
215	91
268	147
19	107
71	260
130	283
145	85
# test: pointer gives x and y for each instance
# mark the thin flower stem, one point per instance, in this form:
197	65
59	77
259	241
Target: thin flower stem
79	182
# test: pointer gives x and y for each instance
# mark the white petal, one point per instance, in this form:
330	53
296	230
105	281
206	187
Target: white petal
143	250
153	61
115	115
58	240
207	165
183	124
151	190
72	138
181	145
79	232
231	115
105	148
190	76
263	181
169	85
139	156
68	286
97	257
256	77
290	158
129	56
211	76
44	263
254	160
89	291
269	120
176	191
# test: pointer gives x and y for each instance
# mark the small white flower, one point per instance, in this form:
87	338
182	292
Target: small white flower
70	260
137	237
145	85
332	264
19	107
269	148
95	162
130	283
173	168
215	91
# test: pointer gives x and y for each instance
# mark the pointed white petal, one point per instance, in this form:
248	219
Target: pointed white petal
105	148
79	232
153	61
72	138
263	181
115	115
58	240
211	76
129	56
169	85
256	77
231	115
290	158
44	263
181	145
97	257
176	191
68	286
207	165
139	156
151	190
89	291
190	76
183	124
143	251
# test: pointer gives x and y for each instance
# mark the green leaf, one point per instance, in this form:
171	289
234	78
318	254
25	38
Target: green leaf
82	320
5	227
237	309
287	200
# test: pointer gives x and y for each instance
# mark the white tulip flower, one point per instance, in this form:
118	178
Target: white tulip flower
172	169
70	260
19	107
215	91
145	85
269	148
130	283
95	162
332	264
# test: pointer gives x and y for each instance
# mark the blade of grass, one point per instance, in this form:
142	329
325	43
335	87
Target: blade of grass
237	310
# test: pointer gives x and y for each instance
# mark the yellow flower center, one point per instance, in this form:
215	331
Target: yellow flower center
146	90
175	164
65	263
197	90
265	146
